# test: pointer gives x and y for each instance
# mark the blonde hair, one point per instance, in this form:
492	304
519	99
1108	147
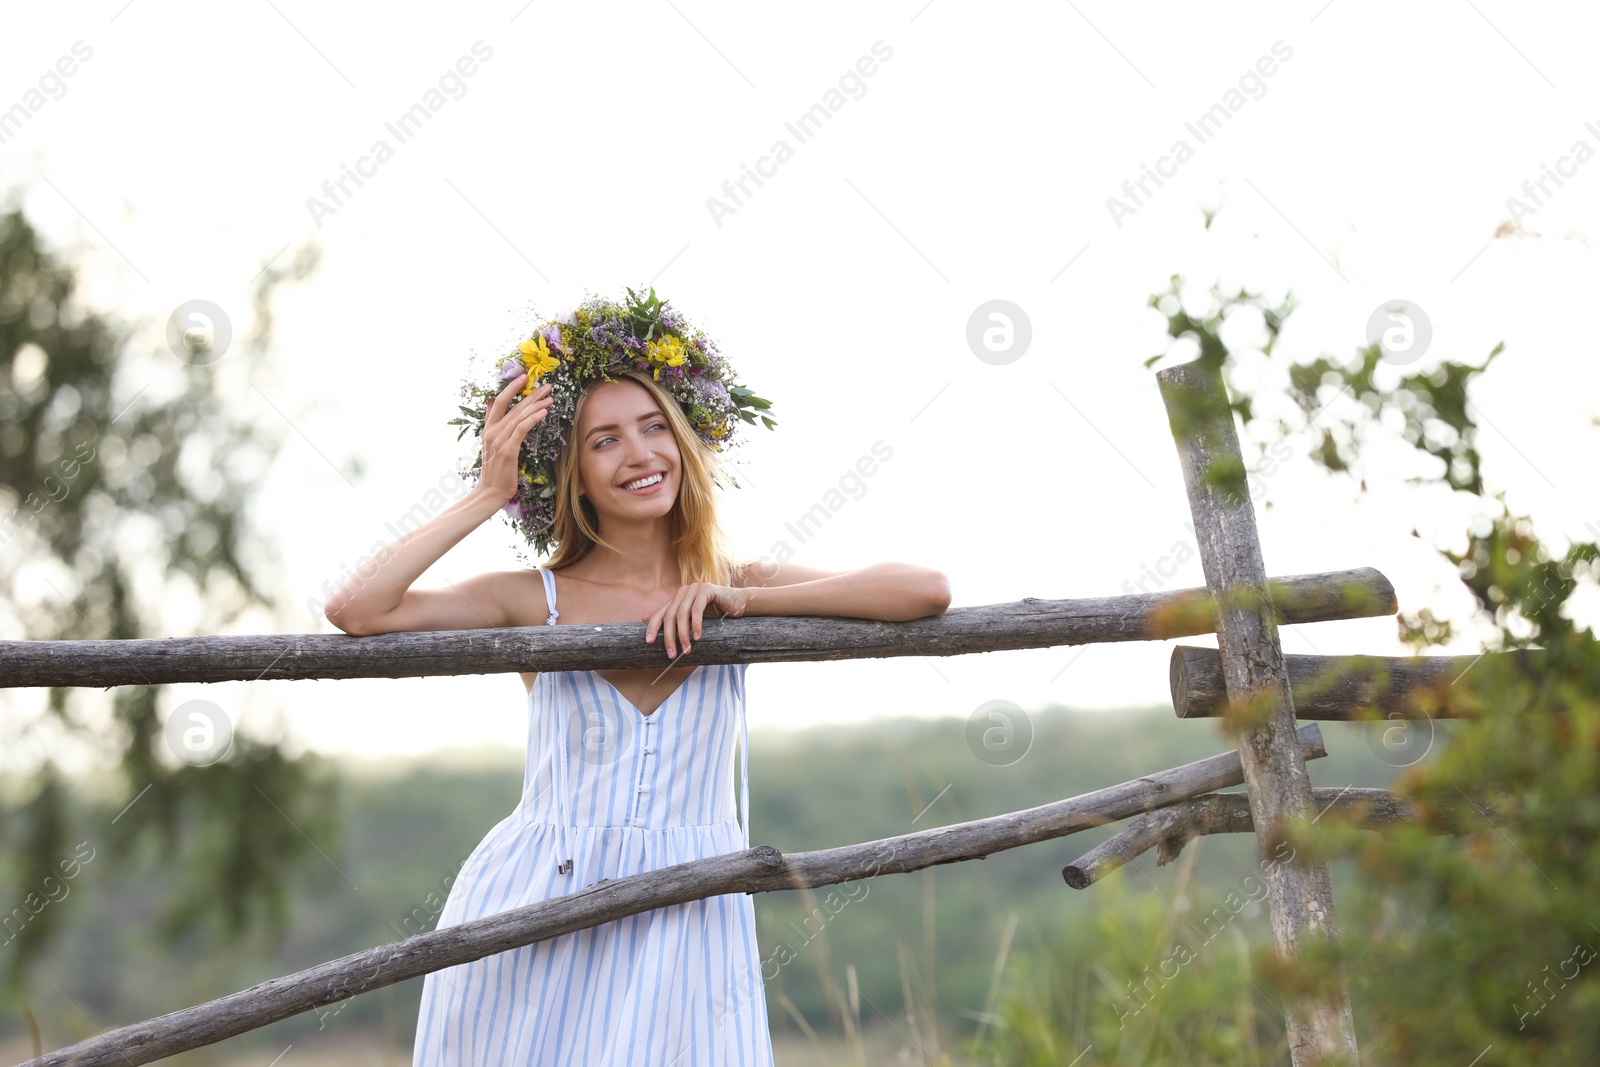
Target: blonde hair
692	525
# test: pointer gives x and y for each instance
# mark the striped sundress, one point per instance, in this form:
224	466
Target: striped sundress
610	792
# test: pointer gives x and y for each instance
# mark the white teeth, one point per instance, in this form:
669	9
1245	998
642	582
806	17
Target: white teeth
642	482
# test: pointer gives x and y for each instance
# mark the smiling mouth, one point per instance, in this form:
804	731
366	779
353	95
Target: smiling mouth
644	483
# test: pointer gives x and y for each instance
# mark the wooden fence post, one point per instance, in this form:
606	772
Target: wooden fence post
1300	894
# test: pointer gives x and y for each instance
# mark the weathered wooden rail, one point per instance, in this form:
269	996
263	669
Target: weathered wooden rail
1341	688
1028	623
1171	828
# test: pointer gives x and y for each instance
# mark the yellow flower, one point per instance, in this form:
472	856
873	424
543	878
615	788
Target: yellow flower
667	352
536	356
539	479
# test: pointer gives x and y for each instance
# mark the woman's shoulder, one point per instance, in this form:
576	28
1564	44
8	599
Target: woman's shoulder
522	595
574	591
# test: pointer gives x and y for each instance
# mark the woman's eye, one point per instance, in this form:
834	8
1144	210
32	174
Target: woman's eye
652	426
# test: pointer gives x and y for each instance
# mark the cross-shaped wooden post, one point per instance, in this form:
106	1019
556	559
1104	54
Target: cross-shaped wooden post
1300	894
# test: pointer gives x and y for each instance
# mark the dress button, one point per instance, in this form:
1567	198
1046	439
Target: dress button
644	789
648	750
638	822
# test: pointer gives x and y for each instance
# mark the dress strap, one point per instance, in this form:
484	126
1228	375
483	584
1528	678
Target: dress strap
744	764
561	753
550	595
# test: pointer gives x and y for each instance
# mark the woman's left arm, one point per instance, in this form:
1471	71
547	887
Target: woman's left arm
891	592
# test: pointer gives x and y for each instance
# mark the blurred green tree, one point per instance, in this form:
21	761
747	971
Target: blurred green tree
114	497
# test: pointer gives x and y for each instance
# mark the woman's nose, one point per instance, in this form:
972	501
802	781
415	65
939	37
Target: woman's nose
638	447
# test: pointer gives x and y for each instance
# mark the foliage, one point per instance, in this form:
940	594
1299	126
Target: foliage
1451	945
1489	939
1147	981
112	497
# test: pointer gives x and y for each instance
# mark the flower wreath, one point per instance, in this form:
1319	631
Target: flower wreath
596	340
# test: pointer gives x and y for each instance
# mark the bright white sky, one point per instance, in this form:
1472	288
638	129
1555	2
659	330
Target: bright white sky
1374	164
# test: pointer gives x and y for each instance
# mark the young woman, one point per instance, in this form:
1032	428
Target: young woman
628	770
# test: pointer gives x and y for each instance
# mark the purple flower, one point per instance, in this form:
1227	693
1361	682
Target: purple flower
552	337
511	369
714	391
515	508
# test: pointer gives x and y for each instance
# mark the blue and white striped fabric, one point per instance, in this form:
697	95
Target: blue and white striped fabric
616	792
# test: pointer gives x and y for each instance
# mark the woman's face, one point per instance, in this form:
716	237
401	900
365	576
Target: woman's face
624	438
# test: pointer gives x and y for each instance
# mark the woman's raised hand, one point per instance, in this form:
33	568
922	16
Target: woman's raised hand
503	432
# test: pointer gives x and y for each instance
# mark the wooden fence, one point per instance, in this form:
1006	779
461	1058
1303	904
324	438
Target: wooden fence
1247	678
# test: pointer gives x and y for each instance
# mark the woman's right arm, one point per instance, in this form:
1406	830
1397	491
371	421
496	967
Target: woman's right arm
379	599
